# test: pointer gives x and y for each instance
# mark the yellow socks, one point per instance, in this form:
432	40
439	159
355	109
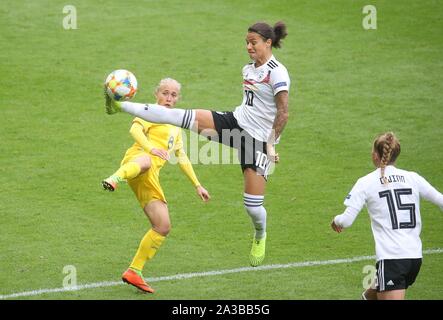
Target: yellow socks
128	171
147	249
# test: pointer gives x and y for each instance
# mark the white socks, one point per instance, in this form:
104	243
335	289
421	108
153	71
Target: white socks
160	114
254	207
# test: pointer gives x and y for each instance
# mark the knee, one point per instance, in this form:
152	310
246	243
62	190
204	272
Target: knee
145	163
163	228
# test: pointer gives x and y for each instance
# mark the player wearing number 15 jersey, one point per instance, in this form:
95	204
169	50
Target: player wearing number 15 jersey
392	197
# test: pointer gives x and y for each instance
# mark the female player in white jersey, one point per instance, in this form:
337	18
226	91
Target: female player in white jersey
253	128
392	197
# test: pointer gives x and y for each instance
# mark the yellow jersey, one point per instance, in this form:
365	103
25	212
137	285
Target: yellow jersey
161	136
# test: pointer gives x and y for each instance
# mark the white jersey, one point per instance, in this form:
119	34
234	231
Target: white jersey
394	210
257	112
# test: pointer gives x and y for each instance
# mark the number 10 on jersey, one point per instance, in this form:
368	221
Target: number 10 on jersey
249	98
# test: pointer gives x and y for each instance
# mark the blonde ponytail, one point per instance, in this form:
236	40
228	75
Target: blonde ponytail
388	148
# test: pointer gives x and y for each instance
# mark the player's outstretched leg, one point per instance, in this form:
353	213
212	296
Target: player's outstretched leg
155	113
135	278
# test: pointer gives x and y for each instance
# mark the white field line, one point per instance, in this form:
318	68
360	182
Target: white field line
200	274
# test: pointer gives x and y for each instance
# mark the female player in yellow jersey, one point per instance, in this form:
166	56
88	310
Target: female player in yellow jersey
141	166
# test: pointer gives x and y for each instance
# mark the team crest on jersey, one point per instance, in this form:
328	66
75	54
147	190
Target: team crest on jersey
251	83
348	197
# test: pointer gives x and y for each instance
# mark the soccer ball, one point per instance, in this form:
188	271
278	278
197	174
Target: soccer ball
121	85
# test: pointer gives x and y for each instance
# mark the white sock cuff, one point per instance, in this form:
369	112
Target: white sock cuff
251	200
188	119
155	113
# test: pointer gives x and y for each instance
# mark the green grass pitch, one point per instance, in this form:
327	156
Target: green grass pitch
348	84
